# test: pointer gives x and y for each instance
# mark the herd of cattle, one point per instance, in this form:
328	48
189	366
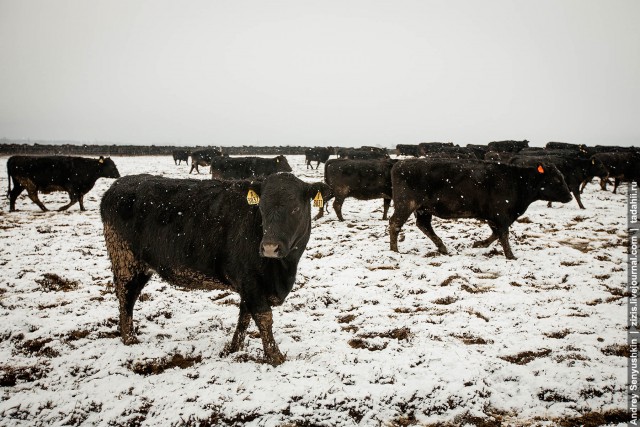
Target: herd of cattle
247	228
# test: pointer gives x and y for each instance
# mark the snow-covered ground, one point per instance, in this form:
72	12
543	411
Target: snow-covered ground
371	337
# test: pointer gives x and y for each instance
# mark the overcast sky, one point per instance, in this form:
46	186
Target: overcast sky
320	73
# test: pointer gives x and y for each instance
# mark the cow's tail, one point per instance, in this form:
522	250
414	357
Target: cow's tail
9	181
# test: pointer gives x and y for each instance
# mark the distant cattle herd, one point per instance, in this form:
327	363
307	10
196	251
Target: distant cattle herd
247	228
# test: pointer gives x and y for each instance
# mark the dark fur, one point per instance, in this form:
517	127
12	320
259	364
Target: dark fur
179	156
247	167
451	153
622	166
204	235
75	175
432	147
358	154
407	150
203	158
511	146
495	193
360	179
574	168
317	154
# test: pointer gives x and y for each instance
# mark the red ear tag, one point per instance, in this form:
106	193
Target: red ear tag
540	169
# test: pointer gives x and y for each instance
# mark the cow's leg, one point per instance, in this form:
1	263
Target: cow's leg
320	214
237	342
584	184
603	183
423	221
264	321
81	202
385	208
401	213
318	165
73	199
13	195
503	236
488	241
32	192
337	207
129	277
616	182
576	194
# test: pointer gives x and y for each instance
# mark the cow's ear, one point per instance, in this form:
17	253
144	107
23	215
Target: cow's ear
253	192
318	192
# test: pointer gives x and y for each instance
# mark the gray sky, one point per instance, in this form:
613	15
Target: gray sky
324	72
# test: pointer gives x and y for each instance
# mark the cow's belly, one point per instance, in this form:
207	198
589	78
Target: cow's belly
191	279
31	185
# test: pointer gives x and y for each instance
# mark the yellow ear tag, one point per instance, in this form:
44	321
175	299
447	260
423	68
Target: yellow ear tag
101	161
253	198
593	161
318	202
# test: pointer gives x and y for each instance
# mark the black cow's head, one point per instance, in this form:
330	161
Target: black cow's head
552	186
282	165
107	168
596	168
285	207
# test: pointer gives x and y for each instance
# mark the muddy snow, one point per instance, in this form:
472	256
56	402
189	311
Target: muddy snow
371	337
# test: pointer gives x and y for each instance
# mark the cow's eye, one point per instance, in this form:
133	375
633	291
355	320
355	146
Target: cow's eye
295	211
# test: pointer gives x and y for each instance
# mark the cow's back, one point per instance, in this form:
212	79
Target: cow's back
362	179
171	224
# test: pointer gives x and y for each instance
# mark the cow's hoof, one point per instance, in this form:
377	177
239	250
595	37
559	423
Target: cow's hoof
129	340
229	349
275	359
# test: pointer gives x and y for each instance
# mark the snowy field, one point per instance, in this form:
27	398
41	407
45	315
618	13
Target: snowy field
371	337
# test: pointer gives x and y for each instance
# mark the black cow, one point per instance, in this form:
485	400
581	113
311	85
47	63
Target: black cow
451	153
566	145
621	165
511	146
495	193
479	150
574	169
359	154
407	150
247	167
203	158
499	156
179	156
45	174
360	179
317	154
204	235
432	147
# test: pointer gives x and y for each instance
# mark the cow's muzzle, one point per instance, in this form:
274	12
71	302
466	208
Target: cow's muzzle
271	250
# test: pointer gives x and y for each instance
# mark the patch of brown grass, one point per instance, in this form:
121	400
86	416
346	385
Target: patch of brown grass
475	290
347	319
558	334
445	300
526	356
359	343
158	366
38	347
12	375
51	282
448	280
470	339
621	350
400	334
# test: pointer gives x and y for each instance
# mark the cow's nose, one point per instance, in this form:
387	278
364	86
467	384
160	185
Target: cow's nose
270	250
